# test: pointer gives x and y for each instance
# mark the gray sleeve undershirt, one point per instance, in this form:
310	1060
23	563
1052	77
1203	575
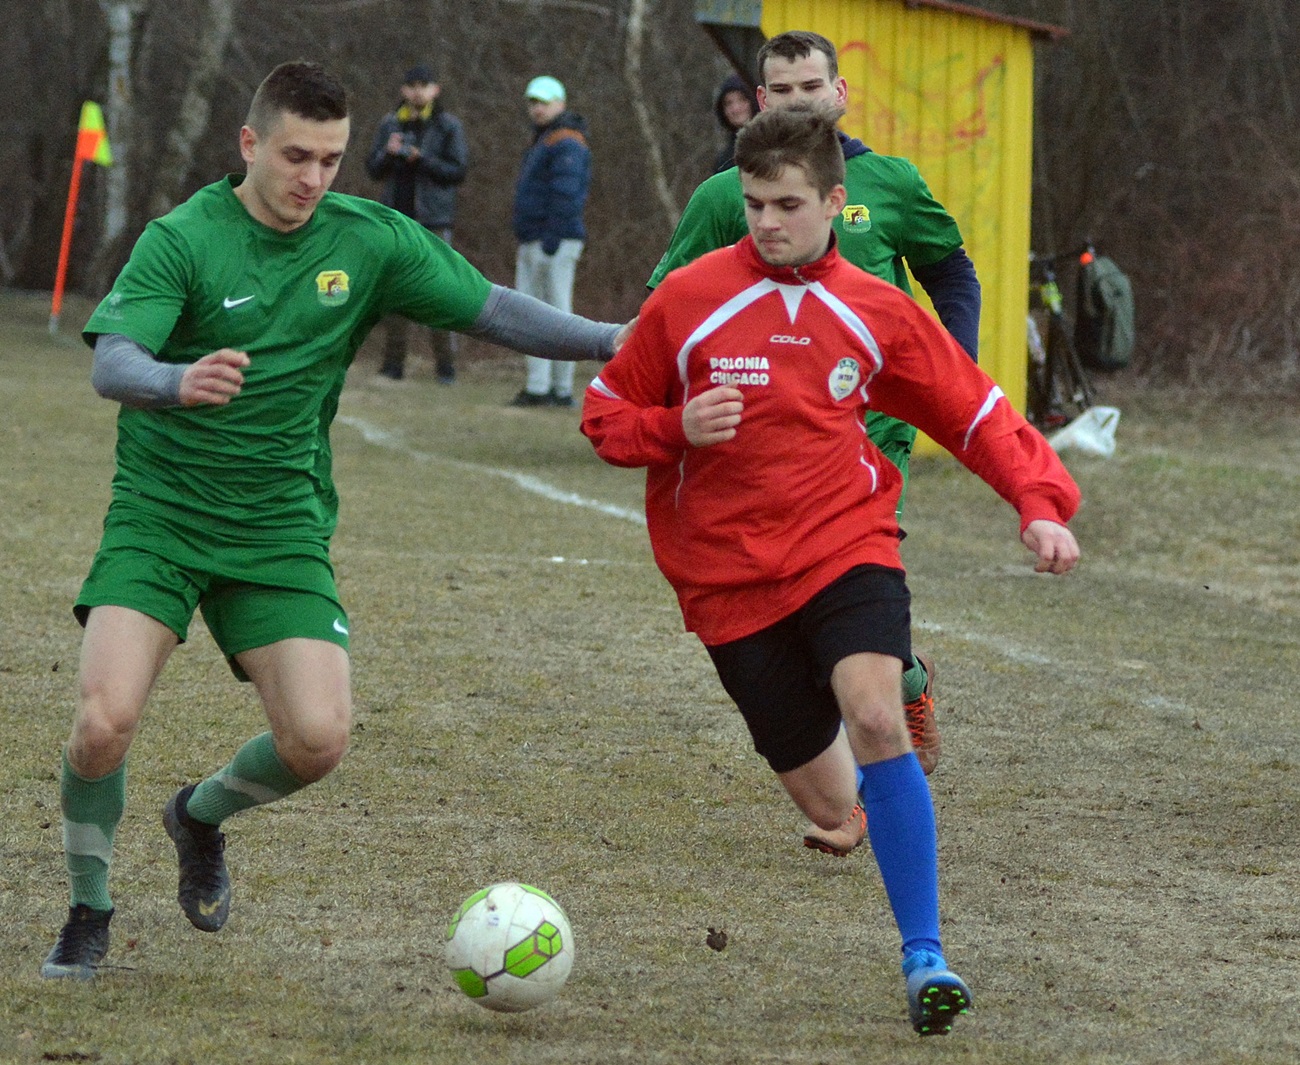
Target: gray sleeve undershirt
128	372
525	324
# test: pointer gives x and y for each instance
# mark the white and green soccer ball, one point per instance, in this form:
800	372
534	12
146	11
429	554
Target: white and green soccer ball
510	947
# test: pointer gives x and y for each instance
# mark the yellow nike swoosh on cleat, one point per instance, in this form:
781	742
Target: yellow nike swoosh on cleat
209	908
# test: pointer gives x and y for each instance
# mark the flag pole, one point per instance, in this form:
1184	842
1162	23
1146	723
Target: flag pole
92	147
65	245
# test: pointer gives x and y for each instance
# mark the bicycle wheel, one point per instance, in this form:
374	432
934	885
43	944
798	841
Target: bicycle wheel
1071	391
1038	392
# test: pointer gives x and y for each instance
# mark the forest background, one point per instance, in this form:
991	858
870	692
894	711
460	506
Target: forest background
1165	131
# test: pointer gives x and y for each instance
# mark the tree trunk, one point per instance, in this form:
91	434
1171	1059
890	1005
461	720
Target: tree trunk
118	113
213	33
632	75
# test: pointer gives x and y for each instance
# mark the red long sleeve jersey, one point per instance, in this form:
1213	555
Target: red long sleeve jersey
749	530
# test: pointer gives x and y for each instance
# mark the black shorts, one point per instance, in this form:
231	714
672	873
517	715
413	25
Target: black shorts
780	676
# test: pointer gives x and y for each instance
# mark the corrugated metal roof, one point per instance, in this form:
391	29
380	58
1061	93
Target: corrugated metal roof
1038	29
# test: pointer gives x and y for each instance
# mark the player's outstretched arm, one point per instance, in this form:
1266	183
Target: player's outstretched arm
712	416
523	323
1054	544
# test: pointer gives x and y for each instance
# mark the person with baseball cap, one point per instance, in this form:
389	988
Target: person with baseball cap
550	196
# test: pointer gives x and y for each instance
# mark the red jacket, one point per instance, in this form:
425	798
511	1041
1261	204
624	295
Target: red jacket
749	530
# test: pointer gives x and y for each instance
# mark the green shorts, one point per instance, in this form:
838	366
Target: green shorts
240	615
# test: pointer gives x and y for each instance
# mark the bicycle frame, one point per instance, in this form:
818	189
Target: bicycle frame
1059	389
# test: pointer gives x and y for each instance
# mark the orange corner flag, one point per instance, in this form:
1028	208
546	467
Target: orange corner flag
92	137
92	147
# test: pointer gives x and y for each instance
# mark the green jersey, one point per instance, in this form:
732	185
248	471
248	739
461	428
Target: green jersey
209	276
890	216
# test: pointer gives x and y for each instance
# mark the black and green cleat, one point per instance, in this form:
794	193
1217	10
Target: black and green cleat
203	889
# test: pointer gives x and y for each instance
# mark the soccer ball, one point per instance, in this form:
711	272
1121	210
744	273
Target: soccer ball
510	947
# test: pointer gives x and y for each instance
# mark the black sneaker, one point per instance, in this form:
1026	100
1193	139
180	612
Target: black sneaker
558	400
531	399
80	946
446	373
204	886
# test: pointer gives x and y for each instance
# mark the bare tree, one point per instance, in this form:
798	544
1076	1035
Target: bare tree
120	16
215	26
636	26
119	112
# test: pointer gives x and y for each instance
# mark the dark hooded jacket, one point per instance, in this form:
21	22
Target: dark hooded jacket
727	155
551	191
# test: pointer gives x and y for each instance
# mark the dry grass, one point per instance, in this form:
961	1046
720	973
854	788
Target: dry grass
1117	798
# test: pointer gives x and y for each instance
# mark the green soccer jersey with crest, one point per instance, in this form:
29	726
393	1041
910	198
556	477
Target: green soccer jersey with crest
208	276
890	216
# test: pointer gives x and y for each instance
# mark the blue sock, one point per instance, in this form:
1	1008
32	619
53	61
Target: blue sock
900	824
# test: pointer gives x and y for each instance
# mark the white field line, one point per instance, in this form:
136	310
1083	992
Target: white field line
1020	656
989	643
372	434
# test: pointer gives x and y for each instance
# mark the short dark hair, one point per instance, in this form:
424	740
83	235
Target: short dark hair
803	136
797	44
299	88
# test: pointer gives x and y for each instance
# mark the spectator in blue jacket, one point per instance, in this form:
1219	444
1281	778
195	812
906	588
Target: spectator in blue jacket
550	196
421	154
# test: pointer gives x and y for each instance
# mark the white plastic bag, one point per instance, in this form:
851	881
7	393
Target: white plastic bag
1092	433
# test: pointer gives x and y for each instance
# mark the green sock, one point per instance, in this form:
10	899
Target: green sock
913	681
92	810
254	777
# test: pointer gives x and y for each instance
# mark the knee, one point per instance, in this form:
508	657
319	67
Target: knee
102	732
875	718
313	753
876	727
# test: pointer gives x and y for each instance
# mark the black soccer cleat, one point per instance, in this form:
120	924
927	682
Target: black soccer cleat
81	945
203	889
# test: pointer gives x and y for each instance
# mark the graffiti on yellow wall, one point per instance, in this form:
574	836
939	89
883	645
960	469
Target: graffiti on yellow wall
920	111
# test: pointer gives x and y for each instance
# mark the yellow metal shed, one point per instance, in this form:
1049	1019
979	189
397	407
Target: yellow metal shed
949	86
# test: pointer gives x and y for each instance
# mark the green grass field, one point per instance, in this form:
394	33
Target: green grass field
1117	800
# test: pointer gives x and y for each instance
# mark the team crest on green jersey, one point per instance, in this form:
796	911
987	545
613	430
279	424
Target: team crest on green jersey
332	288
856	216
846	376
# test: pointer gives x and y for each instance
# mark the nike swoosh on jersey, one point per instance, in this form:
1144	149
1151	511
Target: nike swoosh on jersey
340	627
228	302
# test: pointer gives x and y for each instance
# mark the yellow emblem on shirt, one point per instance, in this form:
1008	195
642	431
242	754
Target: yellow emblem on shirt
856	216
332	288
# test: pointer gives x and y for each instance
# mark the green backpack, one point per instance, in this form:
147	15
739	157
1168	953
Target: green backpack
1103	320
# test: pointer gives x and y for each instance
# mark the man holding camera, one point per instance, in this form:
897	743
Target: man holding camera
421	154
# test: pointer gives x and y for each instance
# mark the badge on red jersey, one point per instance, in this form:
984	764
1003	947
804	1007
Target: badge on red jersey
844	379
